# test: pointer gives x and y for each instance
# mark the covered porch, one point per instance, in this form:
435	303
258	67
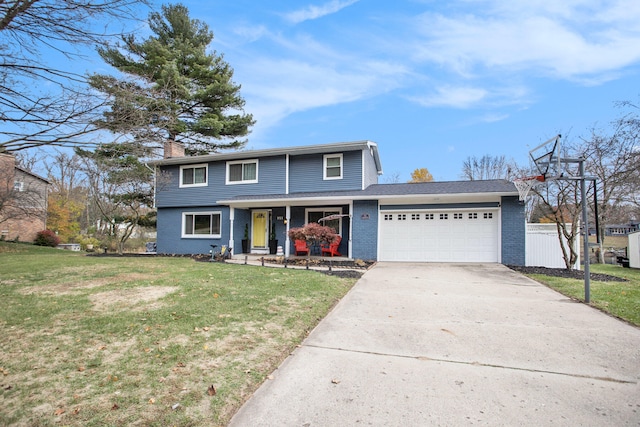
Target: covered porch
259	226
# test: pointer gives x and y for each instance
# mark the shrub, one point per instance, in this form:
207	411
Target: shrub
47	238
313	232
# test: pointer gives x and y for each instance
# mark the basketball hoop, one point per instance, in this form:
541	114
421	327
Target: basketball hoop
525	184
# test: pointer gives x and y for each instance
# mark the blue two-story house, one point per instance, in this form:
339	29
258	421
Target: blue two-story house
220	199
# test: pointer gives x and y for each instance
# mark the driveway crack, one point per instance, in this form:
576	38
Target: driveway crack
475	363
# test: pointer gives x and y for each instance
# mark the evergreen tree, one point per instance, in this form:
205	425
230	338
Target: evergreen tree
174	90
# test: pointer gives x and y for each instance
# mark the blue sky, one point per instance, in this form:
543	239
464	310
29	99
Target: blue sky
432	82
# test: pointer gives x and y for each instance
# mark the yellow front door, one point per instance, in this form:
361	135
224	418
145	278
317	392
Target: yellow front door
259	235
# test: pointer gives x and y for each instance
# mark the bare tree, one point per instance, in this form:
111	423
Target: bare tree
121	188
614	159
487	167
560	200
393	178
69	209
41	104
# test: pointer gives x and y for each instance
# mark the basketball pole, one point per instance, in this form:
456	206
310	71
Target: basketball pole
585	220
587	261
545	156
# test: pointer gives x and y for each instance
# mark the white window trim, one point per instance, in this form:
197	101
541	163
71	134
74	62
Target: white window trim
236	162
206	179
324	166
200	236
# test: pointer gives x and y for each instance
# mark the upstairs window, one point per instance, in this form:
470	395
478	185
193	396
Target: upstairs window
242	172
18	186
333	166
193	176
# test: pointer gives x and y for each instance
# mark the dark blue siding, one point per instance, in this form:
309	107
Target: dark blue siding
306	173
513	231
271	180
169	240
365	230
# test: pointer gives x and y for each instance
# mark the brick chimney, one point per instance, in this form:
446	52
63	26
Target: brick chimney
173	149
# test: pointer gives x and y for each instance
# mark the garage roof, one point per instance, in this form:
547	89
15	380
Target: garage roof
387	192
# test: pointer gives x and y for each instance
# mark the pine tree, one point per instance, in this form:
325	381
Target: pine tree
174	90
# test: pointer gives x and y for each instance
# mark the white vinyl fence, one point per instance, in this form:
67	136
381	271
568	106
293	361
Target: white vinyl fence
543	247
633	251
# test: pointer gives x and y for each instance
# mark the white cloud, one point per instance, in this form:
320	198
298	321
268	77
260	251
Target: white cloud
276	88
314	12
250	33
451	96
570	41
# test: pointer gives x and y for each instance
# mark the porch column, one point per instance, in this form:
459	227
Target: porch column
350	241
287	219
232	215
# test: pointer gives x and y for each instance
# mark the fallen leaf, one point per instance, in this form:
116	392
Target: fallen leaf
152	401
59	411
114	407
206	328
196	329
181	365
80	368
269	377
334	381
216	295
102	347
211	391
76	411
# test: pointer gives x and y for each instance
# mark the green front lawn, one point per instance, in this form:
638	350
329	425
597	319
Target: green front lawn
621	299
157	341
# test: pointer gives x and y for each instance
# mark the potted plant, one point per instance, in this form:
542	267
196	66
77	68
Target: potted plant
245	241
273	242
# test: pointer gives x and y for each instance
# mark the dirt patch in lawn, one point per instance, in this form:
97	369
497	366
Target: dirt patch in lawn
568	274
121	299
72	287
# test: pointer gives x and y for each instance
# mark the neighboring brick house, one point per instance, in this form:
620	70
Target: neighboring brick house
205	200
23	201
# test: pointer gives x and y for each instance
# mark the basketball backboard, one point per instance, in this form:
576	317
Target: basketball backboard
546	158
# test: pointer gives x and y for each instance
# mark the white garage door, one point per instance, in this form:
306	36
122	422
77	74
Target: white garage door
439	236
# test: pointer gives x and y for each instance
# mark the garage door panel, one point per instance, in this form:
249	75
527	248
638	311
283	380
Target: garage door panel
452	236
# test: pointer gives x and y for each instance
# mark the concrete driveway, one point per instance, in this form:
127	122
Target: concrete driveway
452	344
